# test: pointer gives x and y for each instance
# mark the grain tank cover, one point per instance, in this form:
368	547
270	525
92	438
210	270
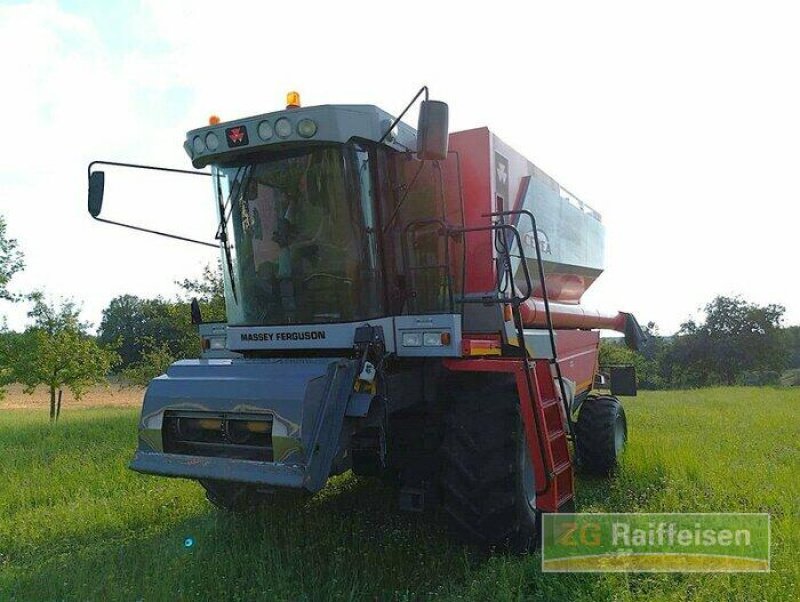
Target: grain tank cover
571	234
571	238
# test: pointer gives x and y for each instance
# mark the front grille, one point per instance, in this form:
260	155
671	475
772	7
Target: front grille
239	436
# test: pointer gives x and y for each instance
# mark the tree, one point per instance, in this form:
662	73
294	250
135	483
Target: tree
149	334
209	290
11	261
8	346
734	338
614	353
793	341
133	325
57	352
155	360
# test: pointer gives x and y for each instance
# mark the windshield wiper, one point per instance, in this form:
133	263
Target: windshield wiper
222	233
223	217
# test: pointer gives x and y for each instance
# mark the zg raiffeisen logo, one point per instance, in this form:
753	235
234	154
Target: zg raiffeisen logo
655	542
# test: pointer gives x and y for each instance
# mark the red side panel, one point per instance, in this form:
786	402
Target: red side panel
472	147
544	423
577	356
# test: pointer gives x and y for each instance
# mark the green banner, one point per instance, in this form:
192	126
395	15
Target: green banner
668	542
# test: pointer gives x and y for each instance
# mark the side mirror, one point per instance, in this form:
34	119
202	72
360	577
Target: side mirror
97	181
197	317
432	131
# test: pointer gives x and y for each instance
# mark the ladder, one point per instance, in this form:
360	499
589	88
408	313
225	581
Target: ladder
543	406
549	406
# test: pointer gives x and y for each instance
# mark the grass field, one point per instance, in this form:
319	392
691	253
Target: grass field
76	524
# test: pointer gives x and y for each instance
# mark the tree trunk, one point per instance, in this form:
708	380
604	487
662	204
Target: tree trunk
58	407
52	404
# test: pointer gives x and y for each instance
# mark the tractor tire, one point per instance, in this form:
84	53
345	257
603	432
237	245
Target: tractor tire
600	434
487	481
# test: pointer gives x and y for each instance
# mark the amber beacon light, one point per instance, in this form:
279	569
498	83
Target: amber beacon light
293	100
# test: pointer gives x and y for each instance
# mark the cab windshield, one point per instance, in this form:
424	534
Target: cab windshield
301	235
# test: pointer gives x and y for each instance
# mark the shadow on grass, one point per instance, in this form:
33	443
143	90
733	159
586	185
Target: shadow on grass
348	542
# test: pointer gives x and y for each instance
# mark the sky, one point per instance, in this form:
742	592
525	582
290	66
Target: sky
678	121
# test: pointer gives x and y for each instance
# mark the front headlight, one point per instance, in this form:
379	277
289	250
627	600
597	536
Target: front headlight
412	339
432	339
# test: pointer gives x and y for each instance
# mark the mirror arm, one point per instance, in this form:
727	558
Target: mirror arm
140	229
396	121
153	167
199	242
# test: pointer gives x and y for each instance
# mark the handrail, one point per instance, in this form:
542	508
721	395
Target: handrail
545	298
443	227
515	299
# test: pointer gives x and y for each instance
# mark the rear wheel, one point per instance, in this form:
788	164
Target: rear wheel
488	485
600	434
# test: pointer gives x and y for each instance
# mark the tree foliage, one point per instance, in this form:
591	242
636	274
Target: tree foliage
11	261
209	290
735	337
150	334
736	342
133	326
793	341
8	345
155	359
614	353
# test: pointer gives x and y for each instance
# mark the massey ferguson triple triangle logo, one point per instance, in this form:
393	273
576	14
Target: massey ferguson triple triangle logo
236	136
502	176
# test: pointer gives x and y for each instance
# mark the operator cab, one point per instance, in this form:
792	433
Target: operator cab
328	214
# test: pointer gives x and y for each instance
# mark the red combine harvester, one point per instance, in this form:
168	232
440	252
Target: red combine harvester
400	303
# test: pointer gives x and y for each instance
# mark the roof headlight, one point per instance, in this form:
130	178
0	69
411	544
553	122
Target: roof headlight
198	145
306	128
265	130
212	141
283	127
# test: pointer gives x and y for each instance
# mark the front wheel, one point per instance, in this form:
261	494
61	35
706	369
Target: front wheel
600	434
488	485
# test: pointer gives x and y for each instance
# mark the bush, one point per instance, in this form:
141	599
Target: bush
791	378
759	378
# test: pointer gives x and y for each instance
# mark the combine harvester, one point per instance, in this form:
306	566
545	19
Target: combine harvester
400	303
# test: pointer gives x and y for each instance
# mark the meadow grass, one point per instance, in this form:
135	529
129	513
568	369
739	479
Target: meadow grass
76	524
